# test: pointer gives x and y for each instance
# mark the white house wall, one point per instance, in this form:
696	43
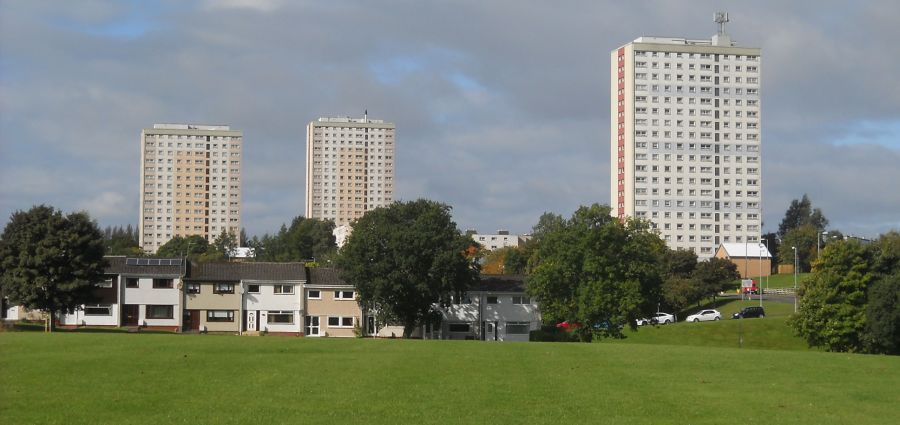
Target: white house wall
145	295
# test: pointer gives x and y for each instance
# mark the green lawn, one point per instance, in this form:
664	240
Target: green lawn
96	378
785	280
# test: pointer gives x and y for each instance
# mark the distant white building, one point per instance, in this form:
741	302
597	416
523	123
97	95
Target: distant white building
501	239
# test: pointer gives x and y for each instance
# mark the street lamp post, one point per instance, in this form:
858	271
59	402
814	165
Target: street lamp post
795	278
759	285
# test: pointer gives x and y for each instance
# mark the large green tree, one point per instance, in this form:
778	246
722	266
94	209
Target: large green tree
804	239
833	298
225	244
406	257
714	275
801	213
596	271
50	261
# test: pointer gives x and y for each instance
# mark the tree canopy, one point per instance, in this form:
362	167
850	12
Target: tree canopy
50	261
122	241
304	240
405	258
851	300
801	213
596	271
714	275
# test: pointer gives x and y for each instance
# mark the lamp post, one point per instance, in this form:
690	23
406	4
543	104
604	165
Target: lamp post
795	278
759	286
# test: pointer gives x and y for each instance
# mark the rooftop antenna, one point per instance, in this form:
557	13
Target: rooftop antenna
721	18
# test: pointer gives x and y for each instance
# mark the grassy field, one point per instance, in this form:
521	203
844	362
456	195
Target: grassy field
136	378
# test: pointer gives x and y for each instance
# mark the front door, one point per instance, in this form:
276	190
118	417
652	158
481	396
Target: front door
251	320
130	314
370	325
312	325
191	320
490	331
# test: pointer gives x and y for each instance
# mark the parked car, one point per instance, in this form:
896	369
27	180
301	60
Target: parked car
748	312
657	318
704	316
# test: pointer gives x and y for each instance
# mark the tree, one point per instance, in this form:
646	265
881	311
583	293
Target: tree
801	213
883	315
122	241
49	261
405	258
713	276
494	262
516	260
596	271
833	298
225	244
804	239
193	247
304	240
772	242
681	263
680	292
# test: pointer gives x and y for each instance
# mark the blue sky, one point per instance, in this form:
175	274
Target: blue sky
502	107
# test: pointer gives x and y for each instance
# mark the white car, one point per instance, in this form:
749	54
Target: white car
705	315
657	318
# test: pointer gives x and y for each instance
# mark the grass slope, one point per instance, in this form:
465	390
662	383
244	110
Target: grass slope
124	378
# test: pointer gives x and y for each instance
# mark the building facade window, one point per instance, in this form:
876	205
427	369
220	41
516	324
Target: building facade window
220	315
159	311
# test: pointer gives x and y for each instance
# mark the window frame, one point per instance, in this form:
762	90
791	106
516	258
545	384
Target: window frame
280	313
163	283
149	308
218	291
228	318
192	288
132	282
468	328
250	288
108	308
340	295
340	320
516	325
311	297
279	289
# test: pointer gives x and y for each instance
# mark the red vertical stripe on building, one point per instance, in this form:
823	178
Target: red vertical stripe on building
620	143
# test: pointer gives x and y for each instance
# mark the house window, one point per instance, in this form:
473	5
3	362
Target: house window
340	322
281	317
253	289
517	328
284	289
220	315
163	284
159	312
344	295
519	300
108	283
223	288
314	294
192	288
459	327
98	310
492	300
131	282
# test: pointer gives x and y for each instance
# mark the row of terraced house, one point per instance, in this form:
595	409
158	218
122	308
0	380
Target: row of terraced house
280	298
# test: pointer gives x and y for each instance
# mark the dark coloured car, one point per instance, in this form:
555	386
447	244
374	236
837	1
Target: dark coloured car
749	312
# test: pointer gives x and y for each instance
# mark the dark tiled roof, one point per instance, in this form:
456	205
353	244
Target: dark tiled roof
501	283
117	265
247	271
325	276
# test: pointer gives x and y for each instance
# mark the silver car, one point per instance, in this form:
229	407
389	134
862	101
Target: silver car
704	316
658	318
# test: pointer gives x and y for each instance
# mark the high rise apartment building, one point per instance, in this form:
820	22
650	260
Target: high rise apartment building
686	139
349	167
190	182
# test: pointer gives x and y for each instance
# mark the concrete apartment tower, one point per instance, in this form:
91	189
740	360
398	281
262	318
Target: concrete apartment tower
686	139
190	182
349	167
